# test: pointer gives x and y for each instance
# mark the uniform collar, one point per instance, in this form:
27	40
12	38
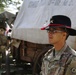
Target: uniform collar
58	54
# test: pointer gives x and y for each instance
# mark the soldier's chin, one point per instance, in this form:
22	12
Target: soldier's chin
51	43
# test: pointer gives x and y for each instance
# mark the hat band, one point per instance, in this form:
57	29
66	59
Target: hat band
61	25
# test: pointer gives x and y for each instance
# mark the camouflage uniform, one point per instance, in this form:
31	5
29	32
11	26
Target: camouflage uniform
59	63
3	42
3	46
3	39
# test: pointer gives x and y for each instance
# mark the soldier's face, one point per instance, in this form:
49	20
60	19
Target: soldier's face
56	35
2	31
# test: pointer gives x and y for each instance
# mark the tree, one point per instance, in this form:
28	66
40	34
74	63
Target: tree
2	5
7	3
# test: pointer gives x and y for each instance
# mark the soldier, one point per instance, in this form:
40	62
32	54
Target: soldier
3	39
61	59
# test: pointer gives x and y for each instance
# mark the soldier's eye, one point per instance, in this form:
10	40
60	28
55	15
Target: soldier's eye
54	31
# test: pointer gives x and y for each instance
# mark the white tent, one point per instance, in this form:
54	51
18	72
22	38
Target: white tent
35	14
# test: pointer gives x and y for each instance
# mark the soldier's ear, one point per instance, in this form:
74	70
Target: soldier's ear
64	34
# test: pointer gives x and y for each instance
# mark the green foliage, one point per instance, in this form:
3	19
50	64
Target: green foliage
6	3
1	6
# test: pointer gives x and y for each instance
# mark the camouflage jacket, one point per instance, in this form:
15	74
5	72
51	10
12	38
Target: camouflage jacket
63	63
3	42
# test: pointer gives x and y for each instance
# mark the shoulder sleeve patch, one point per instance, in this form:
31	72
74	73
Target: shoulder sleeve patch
71	69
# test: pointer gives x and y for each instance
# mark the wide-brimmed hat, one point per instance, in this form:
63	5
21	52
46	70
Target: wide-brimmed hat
61	21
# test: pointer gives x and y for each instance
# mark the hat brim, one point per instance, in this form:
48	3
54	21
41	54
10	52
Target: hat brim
71	31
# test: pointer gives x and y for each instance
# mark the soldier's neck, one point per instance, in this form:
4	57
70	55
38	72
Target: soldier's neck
58	47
